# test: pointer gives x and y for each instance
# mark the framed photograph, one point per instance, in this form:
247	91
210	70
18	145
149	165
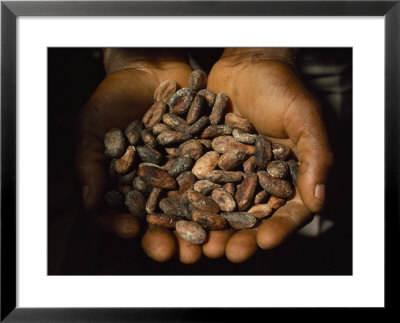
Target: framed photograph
197	160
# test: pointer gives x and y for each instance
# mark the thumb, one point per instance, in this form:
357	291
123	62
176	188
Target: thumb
91	170
306	128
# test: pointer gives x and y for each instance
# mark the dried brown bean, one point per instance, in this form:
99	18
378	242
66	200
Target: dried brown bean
193	147
244	137
278	169
136	203
205	164
218	109
197	80
260	211
196	109
156	176
240	220
175	123
159	127
239	122
191	231
225	200
127	178
245	192
223	176
216	130
231	160
186	182
163	220
261	197
199	125
293	169
192	201
209	221
125	164
114	200
165	90
124	189
280	151
169	163
171	137
206	143
152	200
275	186
276	202
181	164
149	155
205	186
250	166
148	138
209	96
114	143
179	103
170	206
154	114
134	132
263	151
140	185
173	152
223	144
230	188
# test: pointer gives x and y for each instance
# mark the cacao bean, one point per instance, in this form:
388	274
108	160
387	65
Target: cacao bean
205	187
154	114
114	143
191	231
134	132
223	176
170	137
181	164
199	125
175	123
244	137
193	147
125	164
148	138
231	160
149	155
152	200
216	130
225	200
197	80
165	90
205	164
278	169
195	109
209	221
238	122
275	186
162	220
218	109
240	220
209	96
156	176
223	144
136	203
245	192
263	151
179	103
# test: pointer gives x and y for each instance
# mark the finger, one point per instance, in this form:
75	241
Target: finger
159	243
90	166
306	128
241	246
188	253
125	225
216	242
284	222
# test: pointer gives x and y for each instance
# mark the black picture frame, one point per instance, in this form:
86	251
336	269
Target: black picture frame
10	10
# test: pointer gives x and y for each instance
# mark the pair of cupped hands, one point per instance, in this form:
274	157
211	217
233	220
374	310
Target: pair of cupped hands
262	86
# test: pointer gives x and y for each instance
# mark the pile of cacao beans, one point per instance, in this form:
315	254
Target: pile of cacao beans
191	166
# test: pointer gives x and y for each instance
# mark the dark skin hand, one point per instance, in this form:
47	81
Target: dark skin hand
264	88
123	96
267	92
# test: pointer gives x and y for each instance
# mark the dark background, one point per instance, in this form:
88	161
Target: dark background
76	246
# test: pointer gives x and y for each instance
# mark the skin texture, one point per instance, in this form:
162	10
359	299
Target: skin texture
281	108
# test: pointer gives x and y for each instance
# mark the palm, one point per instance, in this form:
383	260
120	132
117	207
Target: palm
269	95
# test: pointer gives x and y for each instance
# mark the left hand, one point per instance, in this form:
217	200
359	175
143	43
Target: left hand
270	95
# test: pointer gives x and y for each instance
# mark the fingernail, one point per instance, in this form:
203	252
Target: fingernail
85	192
320	191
